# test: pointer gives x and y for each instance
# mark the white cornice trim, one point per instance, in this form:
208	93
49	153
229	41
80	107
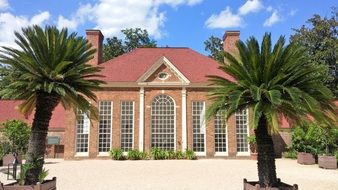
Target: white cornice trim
157	64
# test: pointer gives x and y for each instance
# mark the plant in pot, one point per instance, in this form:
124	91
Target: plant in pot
303	142
253	146
270	82
329	139
21	183
53	68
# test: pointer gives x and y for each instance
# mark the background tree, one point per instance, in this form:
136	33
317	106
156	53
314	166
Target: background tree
214	46
53	69
271	81
320	40
17	133
134	38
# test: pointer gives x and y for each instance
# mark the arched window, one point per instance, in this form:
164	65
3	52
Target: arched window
163	123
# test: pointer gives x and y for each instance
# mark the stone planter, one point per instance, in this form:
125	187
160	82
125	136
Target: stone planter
254	156
327	162
46	185
305	158
254	185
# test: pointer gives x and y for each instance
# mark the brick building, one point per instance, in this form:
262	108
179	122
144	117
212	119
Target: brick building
153	97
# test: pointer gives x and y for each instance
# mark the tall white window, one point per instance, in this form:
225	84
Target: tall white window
220	134
198	126
242	131
163	123
82	132
127	125
105	125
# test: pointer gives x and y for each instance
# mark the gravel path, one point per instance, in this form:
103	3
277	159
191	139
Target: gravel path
203	174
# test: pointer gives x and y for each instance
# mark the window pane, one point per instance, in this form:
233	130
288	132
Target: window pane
198	126
163	123
105	108
82	131
242	130
220	133
127	125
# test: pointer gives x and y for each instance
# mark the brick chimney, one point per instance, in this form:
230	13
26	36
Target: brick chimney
229	41
95	37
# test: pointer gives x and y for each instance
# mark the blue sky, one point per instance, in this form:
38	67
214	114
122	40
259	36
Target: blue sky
185	23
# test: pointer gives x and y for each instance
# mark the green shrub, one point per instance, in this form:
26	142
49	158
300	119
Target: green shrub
134	155
172	155
116	154
180	155
190	154
291	153
145	156
158	154
17	134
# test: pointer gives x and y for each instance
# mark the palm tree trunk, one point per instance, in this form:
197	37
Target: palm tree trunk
266	155
45	104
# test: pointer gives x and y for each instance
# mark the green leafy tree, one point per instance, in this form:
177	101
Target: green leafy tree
214	46
53	69
134	38
7	76
17	133
320	40
270	81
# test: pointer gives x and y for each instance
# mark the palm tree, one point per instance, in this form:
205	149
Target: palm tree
52	67
272	83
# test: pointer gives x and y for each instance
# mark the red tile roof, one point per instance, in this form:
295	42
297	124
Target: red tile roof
8	110
131	66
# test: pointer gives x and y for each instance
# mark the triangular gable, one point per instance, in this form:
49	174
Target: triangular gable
156	66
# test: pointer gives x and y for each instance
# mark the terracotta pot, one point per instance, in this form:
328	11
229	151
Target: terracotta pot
254	185
46	185
254	156
305	158
327	162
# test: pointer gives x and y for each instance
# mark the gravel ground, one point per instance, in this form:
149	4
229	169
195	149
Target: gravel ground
203	174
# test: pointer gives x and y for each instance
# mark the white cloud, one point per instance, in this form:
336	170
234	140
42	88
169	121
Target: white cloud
293	12
224	19
250	6
4	4
273	19
10	23
111	16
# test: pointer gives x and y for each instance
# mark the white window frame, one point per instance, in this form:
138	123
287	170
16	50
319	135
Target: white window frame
111	129
175	146
226	153
203	127
133	122
247	125
82	154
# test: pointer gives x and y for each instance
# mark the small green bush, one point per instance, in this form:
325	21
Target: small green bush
134	155
158	154
291	153
190	154
145	156
116	154
180	155
17	134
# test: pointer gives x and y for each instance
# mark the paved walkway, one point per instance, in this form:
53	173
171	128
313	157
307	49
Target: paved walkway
204	174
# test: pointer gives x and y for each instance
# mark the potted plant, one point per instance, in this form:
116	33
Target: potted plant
301	142
21	183
270	82
253	146
329	139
